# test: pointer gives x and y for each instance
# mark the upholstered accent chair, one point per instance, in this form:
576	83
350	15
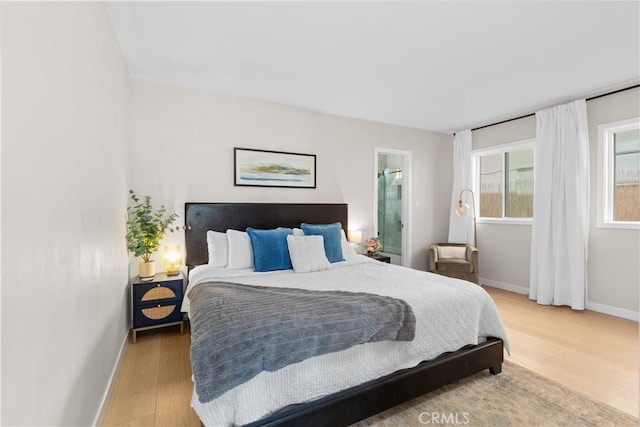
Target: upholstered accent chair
454	260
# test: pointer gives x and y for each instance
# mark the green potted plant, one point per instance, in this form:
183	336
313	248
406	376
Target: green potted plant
146	227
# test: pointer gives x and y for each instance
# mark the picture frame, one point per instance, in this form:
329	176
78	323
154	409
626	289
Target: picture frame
266	168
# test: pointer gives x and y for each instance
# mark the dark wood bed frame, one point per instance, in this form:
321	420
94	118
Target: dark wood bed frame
357	403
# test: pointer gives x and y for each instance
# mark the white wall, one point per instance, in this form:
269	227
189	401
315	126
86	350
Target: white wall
181	149
64	258
614	254
613	267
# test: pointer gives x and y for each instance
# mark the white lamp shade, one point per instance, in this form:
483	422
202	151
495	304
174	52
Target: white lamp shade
462	208
172	259
354	236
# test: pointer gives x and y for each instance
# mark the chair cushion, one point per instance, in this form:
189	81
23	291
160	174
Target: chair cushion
449	252
453	264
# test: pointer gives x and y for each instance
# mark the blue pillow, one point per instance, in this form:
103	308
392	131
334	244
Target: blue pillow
270	250
332	238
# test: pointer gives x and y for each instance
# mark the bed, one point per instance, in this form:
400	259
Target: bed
346	401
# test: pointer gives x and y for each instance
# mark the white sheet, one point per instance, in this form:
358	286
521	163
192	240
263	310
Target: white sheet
450	314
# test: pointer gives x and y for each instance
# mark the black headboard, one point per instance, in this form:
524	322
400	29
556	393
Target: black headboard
200	217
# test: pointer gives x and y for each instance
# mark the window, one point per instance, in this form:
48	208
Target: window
491	185
619	174
519	184
504	182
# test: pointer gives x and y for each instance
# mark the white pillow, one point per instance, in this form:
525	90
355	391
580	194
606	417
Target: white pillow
307	253
449	252
240	251
218	248
348	251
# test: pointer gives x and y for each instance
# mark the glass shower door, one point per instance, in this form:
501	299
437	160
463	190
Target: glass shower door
390	203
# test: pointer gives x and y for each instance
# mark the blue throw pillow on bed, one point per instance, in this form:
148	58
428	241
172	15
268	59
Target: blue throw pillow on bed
270	250
332	238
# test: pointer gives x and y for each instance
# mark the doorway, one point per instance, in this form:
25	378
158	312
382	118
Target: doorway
391	198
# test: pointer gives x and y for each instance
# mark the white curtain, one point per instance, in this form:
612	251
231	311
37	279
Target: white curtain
461	228
560	231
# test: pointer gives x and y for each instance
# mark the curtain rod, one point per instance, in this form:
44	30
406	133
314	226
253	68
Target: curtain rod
533	114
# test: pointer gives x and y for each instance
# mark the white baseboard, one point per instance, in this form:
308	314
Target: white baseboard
593	306
613	311
505	286
99	418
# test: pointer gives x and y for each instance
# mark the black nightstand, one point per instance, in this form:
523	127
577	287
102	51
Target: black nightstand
156	303
381	258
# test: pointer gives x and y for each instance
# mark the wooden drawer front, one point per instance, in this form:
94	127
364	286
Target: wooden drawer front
156	314
157	291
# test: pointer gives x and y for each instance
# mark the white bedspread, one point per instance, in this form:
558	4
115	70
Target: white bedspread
450	314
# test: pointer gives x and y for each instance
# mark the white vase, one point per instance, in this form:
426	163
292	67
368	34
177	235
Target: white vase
147	270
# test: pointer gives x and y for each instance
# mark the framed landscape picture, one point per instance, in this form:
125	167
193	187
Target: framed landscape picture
263	168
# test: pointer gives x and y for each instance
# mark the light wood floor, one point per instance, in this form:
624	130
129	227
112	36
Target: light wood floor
590	352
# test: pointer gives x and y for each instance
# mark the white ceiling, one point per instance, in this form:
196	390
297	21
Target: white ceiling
441	66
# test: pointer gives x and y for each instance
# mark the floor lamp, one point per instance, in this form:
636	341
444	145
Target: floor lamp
462	209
